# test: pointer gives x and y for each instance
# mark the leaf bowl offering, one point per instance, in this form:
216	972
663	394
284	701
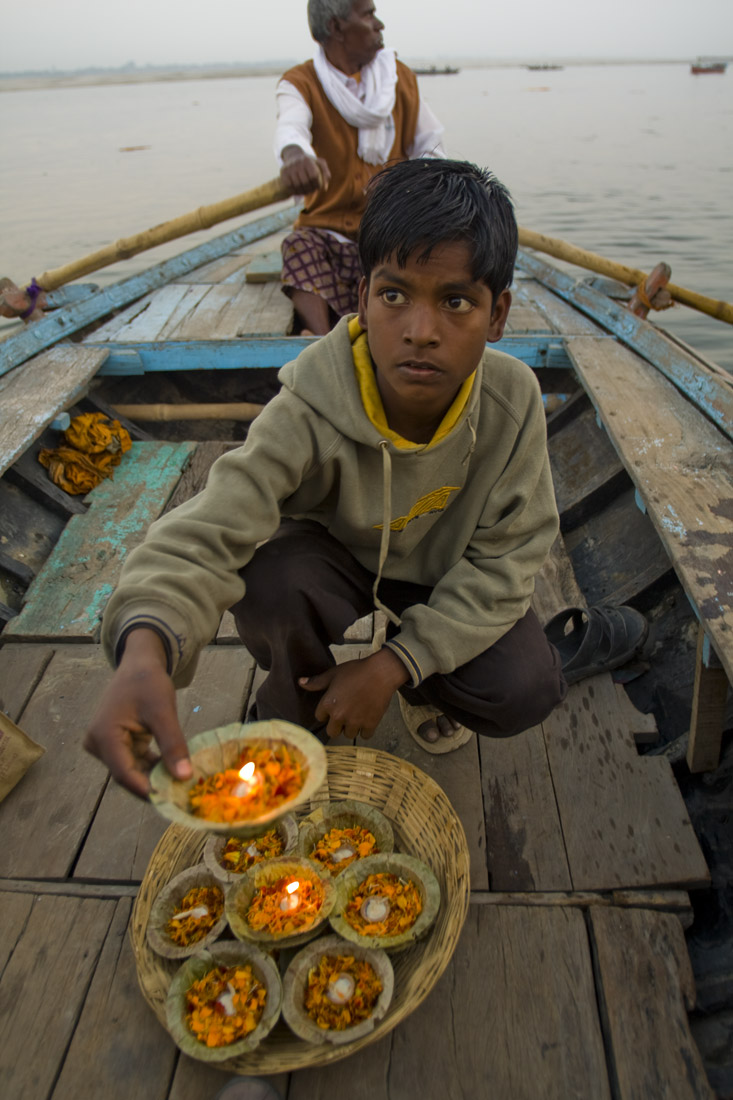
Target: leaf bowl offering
335	991
228	857
280	902
386	901
244	777
223	1002
340	833
187	914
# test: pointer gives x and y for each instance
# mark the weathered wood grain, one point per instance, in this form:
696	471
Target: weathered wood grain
15	909
585	468
21	669
43	989
456	772
514	1016
67	598
125	830
614	570
623	818
118	1049
645	979
555	585
194	477
45	817
200	1081
265	268
524	842
229	269
708	711
31	396
681	465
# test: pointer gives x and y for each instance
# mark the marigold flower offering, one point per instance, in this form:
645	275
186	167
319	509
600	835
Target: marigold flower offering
383	905
341	991
225	1005
239	855
340	847
285	906
195	915
267	774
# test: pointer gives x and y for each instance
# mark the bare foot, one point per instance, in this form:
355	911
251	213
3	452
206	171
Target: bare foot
440	726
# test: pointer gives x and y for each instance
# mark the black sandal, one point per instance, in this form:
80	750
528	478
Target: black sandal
602	638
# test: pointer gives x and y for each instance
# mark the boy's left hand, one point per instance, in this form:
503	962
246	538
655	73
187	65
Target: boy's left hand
357	693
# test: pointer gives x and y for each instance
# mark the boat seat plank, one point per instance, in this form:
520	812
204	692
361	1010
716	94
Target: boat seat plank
555	585
66	599
645	978
709	699
124	832
44	819
43	988
630	828
265	268
32	394
586	469
118	1049
514	1015
681	467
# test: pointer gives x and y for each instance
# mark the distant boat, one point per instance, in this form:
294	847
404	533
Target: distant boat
447	70
544	68
708	65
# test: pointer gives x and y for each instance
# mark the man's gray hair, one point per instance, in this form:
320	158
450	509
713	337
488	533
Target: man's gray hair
320	14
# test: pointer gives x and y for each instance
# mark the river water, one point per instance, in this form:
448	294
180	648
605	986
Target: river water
632	161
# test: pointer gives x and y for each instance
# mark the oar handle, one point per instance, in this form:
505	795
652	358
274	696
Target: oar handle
562	250
203	218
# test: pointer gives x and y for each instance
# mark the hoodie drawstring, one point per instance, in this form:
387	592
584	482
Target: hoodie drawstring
386	522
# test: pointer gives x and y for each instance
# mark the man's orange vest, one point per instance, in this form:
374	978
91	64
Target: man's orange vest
341	206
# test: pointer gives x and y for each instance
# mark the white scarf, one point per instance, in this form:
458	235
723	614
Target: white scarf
373	116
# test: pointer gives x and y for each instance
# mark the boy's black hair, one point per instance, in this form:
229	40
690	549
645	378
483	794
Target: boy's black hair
415	205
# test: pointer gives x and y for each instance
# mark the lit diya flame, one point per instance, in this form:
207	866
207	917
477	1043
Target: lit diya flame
375	909
290	899
250	781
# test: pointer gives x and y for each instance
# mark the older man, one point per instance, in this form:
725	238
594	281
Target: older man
341	118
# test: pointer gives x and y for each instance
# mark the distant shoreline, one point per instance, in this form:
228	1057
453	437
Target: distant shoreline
17	82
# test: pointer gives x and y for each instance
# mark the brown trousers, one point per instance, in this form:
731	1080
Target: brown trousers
304	589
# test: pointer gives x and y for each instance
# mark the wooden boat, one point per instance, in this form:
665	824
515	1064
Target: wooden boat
573	976
705	65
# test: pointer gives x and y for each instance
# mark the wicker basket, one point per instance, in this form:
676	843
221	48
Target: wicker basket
425	825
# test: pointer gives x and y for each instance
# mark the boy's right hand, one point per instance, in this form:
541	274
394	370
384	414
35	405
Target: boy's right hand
139	704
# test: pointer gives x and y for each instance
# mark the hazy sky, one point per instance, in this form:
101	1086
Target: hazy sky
70	34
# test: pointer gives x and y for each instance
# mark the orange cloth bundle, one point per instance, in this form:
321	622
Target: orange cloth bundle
93	446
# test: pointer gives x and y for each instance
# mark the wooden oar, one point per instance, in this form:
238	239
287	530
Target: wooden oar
236	410
202	218
561	250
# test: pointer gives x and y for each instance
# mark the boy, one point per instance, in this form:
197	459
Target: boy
407	463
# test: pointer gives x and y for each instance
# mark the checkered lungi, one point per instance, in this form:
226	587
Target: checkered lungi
316	261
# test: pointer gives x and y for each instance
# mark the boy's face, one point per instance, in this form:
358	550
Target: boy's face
428	324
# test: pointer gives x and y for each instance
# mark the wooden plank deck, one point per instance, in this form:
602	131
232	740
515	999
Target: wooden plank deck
571	976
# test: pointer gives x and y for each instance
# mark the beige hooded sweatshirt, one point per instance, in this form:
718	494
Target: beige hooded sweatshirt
471	514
